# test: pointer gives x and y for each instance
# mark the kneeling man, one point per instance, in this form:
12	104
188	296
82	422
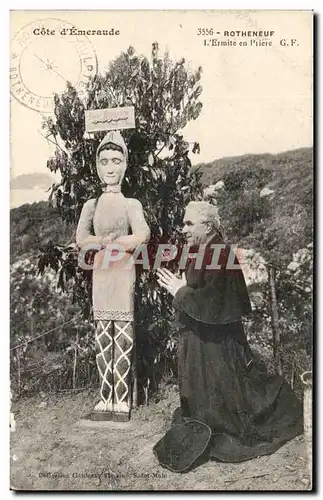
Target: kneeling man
230	408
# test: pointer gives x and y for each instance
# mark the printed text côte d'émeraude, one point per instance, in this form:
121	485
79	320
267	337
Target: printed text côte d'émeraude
74	32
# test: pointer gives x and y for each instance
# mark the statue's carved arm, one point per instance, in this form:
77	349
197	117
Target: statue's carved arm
139	227
84	236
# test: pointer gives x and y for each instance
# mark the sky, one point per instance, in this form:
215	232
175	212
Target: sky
255	99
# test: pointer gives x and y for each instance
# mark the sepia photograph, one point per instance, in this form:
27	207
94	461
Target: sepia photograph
161	250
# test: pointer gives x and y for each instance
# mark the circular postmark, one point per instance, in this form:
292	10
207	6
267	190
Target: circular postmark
45	55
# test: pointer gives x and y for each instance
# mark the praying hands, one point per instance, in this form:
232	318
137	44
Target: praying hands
169	281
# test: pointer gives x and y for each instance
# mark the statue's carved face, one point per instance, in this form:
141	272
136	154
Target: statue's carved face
196	229
111	166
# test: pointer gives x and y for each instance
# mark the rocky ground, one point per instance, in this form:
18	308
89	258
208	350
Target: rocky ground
52	448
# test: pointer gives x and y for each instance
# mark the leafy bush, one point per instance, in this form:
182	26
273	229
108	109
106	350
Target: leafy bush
295	304
37	308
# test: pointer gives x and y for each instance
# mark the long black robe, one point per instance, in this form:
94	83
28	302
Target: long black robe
231	409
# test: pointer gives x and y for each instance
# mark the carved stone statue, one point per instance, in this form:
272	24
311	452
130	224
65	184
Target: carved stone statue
112	218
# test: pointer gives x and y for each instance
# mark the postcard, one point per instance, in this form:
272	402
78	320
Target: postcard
161	276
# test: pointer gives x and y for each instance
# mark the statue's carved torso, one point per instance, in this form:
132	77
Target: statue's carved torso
113	284
113	288
111	215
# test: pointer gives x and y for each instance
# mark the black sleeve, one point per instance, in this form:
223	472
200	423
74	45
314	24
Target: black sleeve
223	298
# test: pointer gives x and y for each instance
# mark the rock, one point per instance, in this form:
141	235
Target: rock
253	266
12	422
208	192
219	185
212	189
306	482
266	192
293	266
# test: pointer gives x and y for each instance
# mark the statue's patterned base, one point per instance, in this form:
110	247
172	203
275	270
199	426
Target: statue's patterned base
114	344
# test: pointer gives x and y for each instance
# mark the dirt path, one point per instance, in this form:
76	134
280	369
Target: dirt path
51	451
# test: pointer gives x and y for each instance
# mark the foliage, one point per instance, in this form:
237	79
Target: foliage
294	295
34	227
278	225
37	308
294	291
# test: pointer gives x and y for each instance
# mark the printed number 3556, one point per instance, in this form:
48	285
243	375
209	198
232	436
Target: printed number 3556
205	31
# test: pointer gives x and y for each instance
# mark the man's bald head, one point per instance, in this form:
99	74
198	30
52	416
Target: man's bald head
201	221
206	211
